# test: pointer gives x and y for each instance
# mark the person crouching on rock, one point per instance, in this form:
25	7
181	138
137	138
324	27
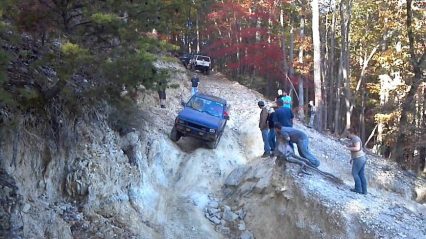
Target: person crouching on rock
301	140
358	161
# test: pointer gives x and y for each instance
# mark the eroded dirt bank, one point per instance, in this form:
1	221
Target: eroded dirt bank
139	184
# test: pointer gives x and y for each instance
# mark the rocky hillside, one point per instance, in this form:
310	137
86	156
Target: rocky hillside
137	183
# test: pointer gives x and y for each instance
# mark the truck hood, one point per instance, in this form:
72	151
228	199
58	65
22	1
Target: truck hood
196	117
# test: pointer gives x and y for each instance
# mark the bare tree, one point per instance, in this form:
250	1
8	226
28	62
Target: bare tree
345	20
300	60
317	61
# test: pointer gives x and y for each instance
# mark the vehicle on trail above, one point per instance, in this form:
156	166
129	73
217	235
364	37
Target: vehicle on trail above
185	58
201	63
203	117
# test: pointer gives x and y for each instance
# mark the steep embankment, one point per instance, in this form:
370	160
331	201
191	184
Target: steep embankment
139	184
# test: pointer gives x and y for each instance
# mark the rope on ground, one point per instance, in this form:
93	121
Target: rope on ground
304	164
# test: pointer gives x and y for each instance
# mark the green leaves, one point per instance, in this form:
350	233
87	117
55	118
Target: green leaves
135	68
105	18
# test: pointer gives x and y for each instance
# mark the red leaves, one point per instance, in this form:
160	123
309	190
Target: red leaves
244	34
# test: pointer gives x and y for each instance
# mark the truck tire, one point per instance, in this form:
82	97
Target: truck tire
213	144
175	135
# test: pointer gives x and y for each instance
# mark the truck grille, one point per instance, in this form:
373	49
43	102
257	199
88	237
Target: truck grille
196	126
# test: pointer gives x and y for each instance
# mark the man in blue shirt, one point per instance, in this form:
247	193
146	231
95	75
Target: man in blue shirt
283	115
286	100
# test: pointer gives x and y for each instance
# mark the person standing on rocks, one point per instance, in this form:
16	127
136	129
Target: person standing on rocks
301	140
162	85
287	101
271	136
263	126
311	113
280	95
194	82
358	161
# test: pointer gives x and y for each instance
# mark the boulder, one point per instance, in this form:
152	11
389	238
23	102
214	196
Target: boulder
235	178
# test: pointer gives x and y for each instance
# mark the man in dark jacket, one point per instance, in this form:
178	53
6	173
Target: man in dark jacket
301	140
283	115
263	126
194	83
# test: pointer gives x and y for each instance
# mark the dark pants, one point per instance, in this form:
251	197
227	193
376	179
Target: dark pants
162	94
272	139
358	172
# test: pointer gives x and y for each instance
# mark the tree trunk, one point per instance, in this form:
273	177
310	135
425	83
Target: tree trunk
198	33
317	62
291	51
300	60
422	149
324	72
362	114
345	15
338	96
284	50
331	67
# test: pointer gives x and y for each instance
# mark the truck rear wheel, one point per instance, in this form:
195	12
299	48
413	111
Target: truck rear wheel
175	135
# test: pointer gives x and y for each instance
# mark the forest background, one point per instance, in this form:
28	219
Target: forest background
362	62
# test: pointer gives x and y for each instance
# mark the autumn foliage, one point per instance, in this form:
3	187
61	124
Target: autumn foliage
246	38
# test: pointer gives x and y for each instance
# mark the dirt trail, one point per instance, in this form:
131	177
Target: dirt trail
201	173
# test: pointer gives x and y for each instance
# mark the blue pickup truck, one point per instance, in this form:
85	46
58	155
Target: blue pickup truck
203	117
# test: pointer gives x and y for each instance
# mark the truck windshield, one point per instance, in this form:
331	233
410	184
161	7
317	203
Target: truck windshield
203	58
207	106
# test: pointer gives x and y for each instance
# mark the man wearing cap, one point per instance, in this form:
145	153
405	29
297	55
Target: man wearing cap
263	126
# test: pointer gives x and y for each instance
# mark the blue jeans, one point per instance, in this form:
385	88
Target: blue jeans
302	147
358	168
194	90
311	119
266	147
271	139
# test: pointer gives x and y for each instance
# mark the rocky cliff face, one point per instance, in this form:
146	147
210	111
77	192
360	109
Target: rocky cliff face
278	200
90	179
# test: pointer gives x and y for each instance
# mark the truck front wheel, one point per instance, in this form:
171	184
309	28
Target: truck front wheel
175	135
213	144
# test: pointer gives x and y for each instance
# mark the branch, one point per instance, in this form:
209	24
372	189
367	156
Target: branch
80	23
371	135
365	64
292	158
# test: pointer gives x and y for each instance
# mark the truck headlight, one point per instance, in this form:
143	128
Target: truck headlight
212	130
